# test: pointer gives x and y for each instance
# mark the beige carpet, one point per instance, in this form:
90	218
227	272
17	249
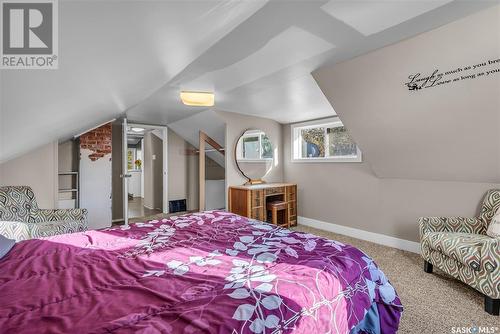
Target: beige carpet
433	303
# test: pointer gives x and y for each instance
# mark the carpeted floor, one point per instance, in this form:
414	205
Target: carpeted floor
433	303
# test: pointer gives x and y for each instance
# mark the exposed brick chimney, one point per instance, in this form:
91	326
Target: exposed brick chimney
98	141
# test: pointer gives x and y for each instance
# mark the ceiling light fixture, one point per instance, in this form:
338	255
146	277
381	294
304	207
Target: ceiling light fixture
137	129
198	99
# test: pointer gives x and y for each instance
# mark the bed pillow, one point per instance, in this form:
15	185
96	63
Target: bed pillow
494	227
5	245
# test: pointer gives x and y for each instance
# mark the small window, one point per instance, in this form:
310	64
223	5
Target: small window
254	146
325	140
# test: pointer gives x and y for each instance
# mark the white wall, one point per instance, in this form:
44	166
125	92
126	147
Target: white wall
37	169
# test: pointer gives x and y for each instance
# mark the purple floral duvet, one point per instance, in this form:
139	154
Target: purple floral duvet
209	272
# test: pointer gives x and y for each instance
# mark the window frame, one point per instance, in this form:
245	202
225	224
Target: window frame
239	150
296	142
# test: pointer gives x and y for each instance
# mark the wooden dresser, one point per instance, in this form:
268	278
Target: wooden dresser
250	201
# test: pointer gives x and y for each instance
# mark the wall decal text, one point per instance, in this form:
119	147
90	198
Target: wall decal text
437	78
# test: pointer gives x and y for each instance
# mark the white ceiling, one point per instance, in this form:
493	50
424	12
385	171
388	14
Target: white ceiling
210	123
133	57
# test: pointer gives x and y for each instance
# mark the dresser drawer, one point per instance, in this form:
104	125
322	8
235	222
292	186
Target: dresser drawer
274	191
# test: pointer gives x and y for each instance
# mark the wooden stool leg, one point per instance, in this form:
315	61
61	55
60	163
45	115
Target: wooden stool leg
275	216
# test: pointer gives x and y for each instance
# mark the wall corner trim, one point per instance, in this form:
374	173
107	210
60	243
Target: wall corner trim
382	239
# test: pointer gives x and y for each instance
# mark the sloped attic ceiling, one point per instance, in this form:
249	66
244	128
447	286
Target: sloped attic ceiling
112	55
132	58
210	123
449	131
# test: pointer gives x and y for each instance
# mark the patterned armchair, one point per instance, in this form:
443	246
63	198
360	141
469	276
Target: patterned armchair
21	219
460	247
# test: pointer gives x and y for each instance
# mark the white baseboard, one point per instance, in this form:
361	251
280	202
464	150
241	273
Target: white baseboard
382	239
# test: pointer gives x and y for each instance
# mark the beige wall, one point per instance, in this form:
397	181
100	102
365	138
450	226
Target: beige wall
178	169
153	171
37	169
433	152
444	133
350	194
236	124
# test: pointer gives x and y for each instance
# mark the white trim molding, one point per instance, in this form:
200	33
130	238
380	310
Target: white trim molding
381	239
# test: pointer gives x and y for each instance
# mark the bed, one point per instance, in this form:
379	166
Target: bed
208	272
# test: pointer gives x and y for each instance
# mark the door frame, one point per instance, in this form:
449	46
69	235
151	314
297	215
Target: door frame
125	175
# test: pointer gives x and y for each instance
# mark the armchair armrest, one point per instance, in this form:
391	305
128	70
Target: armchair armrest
450	224
15	230
61	214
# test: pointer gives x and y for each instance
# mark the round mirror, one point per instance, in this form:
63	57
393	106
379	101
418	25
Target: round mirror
254	155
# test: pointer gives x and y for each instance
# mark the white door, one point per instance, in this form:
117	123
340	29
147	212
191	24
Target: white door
95	186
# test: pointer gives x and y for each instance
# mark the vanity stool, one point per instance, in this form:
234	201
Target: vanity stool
278	208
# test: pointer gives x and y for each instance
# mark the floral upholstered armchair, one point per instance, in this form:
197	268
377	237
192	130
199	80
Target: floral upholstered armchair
460	247
21	219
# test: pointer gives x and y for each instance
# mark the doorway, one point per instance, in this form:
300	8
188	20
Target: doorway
145	180
212	174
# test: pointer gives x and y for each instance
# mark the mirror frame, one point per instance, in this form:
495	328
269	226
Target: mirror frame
250	180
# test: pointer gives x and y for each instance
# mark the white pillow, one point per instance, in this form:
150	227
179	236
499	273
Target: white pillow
494	228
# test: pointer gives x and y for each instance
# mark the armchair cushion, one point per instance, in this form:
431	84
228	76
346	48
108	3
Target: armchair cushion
462	247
